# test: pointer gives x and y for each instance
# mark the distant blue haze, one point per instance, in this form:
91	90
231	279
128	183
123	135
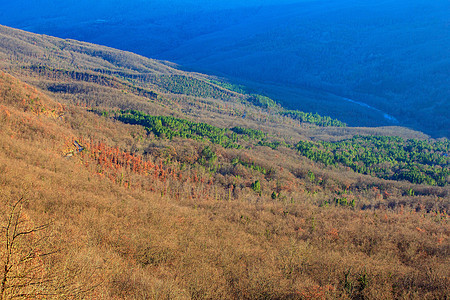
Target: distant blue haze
393	56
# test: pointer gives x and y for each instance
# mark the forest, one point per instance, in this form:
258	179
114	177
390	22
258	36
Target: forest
386	157
169	127
416	161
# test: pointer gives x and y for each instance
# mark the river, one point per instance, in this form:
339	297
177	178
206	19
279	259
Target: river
385	115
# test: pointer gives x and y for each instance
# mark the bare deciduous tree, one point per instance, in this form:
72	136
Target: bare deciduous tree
23	274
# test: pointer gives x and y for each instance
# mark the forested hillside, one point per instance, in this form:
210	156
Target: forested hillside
123	177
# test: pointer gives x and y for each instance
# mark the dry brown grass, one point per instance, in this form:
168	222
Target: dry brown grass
181	238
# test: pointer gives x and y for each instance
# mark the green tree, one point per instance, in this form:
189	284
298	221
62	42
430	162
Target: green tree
256	186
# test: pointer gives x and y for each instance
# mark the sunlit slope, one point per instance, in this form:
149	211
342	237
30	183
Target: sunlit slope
133	215
115	80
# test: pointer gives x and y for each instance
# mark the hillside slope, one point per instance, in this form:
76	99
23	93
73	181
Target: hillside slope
183	197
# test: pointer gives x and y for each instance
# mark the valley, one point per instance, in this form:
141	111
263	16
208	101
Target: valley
390	55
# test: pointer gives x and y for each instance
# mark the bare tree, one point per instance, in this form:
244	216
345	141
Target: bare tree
23	273
26	270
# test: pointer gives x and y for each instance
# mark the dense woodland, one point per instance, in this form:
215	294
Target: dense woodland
170	127
416	161
177	196
413	160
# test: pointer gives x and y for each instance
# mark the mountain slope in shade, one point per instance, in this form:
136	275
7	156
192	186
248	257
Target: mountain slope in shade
390	55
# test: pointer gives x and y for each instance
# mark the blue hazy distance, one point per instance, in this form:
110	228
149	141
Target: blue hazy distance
393	56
